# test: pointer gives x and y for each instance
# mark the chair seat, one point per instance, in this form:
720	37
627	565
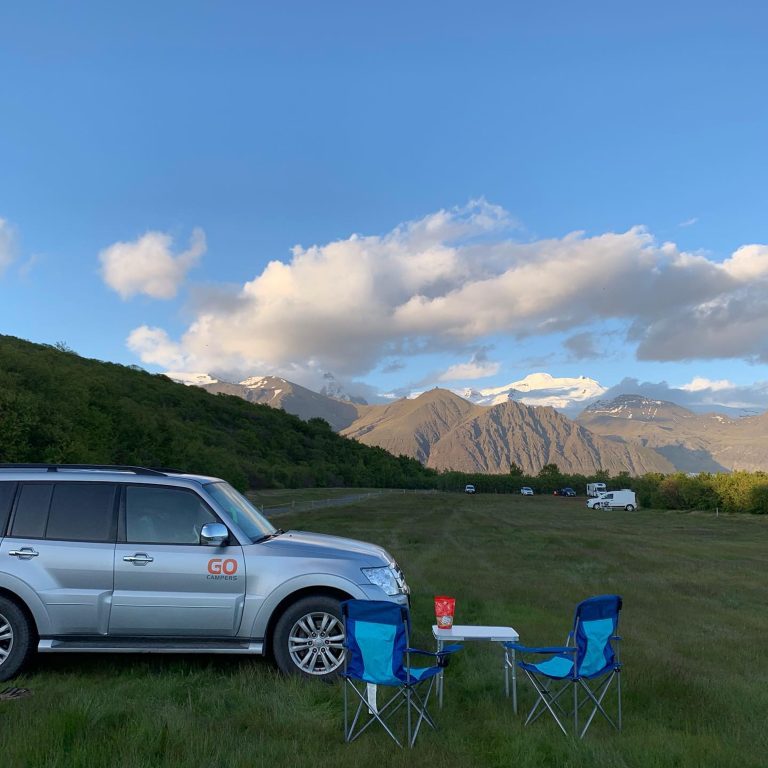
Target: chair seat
423	673
557	667
417	675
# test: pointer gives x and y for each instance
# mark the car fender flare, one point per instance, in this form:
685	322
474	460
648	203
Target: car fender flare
301	584
19	590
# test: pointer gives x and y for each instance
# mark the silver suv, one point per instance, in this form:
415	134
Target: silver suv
116	559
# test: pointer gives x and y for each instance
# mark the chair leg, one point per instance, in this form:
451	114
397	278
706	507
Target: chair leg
598	702
618	694
575	708
420	705
408	705
537	710
346	715
373	717
544	696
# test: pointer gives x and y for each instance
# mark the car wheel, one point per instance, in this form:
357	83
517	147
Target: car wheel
309	638
630	508
15	639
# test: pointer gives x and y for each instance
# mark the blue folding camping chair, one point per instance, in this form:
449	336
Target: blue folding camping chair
588	656
378	653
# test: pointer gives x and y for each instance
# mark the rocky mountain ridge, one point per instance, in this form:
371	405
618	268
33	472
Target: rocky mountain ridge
693	442
444	431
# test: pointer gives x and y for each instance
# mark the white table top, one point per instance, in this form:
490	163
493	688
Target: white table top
469	632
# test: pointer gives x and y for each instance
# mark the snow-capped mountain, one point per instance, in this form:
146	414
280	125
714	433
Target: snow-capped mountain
540	389
191	379
332	388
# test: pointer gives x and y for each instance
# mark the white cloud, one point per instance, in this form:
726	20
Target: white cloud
479	367
154	346
750	262
689	222
701	384
7	245
455	278
148	266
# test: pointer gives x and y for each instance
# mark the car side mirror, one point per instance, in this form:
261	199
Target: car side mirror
214	535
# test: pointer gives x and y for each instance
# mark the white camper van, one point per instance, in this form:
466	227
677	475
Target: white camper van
595	489
623	499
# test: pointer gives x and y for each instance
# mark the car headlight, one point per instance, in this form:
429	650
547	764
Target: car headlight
383	577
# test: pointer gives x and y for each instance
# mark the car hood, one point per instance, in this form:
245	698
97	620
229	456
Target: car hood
321	545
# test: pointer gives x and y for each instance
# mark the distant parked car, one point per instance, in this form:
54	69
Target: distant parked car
566	492
526	491
469	488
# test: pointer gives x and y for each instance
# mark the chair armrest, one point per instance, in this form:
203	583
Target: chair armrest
540	649
444	652
443	656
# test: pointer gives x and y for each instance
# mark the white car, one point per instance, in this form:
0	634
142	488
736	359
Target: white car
469	488
623	499
526	491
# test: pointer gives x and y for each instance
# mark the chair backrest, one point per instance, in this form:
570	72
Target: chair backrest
376	638
595	623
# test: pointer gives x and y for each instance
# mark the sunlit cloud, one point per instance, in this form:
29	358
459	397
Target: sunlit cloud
147	265
452	281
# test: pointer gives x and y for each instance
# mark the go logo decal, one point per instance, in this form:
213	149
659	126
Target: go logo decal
219	567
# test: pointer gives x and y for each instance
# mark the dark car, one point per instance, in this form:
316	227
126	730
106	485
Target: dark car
566	492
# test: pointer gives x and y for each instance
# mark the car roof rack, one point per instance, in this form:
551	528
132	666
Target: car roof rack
96	467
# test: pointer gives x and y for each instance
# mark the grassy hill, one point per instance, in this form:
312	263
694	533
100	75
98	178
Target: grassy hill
58	407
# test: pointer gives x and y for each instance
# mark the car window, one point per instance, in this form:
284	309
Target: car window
240	510
82	512
161	515
7	491
32	511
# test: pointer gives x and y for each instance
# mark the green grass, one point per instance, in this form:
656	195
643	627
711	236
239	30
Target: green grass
694	623
304	496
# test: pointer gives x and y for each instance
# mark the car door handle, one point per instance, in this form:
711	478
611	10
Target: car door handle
25	553
140	558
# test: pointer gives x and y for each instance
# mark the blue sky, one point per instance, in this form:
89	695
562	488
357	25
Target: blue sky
431	160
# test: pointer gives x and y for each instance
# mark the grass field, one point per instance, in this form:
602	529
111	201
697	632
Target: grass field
695	625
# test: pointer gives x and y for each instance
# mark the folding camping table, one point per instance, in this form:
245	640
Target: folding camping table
463	632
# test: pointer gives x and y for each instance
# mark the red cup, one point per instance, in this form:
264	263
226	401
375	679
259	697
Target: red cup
444	610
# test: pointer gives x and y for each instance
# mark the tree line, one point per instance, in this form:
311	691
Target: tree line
737	491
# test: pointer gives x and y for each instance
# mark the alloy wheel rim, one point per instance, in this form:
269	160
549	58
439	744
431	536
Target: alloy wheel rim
6	639
316	643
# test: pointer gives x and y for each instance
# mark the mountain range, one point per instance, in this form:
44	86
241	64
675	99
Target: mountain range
487	430
445	431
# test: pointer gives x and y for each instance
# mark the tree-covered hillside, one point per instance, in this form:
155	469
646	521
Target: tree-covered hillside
58	407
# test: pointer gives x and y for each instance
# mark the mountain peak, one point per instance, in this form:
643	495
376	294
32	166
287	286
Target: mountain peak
540	388
332	388
636	407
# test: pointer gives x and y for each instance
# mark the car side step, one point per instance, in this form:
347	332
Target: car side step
143	645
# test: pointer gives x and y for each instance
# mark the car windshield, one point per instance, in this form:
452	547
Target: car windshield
242	513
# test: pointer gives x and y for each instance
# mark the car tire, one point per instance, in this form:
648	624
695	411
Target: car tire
308	638
16	639
630	507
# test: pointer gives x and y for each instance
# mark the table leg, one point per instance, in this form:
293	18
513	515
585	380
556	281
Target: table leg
514	683
506	673
440	677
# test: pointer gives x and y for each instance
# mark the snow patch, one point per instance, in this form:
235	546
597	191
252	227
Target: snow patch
191	379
